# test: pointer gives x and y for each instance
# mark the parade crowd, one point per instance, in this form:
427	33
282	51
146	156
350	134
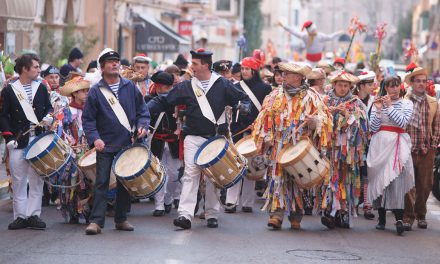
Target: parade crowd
309	137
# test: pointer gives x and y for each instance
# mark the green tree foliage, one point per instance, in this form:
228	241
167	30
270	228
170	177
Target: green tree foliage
56	52
253	24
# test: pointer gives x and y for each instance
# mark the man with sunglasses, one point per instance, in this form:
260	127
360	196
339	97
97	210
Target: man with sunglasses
424	130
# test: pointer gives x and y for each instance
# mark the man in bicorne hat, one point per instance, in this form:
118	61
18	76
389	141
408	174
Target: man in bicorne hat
289	112
199	126
424	131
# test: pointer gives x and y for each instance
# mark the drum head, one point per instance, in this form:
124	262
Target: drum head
39	145
210	150
88	159
131	161
246	146
292	152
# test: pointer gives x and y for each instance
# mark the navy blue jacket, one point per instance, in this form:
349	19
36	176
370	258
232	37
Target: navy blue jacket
221	94
260	90
13	121
100	122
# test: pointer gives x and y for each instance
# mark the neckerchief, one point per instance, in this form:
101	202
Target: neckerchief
292	91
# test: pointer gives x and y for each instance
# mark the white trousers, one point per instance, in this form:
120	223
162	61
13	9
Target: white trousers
22	172
166	194
247	193
190	184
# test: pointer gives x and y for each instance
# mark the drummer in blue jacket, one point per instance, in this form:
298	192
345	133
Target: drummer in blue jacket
114	112
199	126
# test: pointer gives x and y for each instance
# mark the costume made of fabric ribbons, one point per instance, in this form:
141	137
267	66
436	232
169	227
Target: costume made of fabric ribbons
341	188
278	124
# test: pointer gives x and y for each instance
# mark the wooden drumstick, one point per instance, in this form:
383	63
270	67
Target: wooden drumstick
42	122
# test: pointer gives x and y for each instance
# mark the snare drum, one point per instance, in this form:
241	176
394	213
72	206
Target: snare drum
48	154
304	163
221	162
139	171
257	164
87	164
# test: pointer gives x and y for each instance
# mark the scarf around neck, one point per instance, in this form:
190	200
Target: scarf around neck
292	91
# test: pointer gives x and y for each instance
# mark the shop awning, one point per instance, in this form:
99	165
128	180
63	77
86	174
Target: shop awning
154	36
17	15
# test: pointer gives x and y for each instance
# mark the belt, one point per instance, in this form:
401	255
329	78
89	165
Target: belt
165	137
392	129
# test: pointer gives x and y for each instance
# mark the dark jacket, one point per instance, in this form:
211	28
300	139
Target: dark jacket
100	122
221	94
260	90
13	120
165	128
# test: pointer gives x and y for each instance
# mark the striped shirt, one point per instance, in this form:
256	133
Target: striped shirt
205	85
28	89
398	114
115	87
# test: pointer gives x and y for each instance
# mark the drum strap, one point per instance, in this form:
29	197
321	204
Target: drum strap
25	105
117	108
251	95
203	102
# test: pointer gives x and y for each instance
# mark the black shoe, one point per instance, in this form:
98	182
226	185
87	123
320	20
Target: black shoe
407	227
230	208
159	213
168	208
246	209
369	215
212	223
328	221
399	227
35	222
380	226
308	211
18	223
176	203
182	222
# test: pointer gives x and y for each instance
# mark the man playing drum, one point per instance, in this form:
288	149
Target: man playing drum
257	90
341	188
205	98
25	104
114	111
289	112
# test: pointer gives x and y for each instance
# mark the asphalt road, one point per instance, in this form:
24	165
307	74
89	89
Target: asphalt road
240	238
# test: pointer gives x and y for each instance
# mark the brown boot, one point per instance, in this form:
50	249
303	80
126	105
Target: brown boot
93	229
124	226
275	222
295	225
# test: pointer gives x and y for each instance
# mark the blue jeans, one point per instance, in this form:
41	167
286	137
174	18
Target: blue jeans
103	166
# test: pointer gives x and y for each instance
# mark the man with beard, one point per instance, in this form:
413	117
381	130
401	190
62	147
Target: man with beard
288	113
257	90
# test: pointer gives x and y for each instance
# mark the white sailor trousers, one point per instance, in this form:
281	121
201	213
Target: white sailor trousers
190	183
247	197
25	205
166	194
